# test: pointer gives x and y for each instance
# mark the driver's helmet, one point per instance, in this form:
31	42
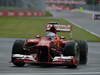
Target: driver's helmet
51	35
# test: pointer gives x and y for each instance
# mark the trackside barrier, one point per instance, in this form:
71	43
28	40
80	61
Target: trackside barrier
21	13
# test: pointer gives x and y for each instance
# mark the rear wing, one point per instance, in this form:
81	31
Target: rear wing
59	28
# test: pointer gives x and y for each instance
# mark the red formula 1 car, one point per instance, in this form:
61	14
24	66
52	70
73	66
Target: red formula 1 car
50	49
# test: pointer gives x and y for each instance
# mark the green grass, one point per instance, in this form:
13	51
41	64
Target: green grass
28	27
48	14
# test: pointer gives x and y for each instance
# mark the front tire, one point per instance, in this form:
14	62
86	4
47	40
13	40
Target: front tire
83	47
18	49
71	49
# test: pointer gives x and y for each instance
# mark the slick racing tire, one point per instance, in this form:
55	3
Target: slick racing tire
18	49
83	47
71	49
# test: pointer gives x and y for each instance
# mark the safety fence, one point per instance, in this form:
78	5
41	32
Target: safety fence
21	13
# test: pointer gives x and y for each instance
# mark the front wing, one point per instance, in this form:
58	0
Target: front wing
63	60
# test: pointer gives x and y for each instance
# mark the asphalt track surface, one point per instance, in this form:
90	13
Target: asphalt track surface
82	20
6	68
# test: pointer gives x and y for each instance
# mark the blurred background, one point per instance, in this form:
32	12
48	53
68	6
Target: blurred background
79	12
41	4
22	4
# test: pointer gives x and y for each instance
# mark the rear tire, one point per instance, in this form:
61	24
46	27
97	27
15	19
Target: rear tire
83	47
18	49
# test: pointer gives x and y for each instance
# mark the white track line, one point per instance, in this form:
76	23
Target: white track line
74	73
82	27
